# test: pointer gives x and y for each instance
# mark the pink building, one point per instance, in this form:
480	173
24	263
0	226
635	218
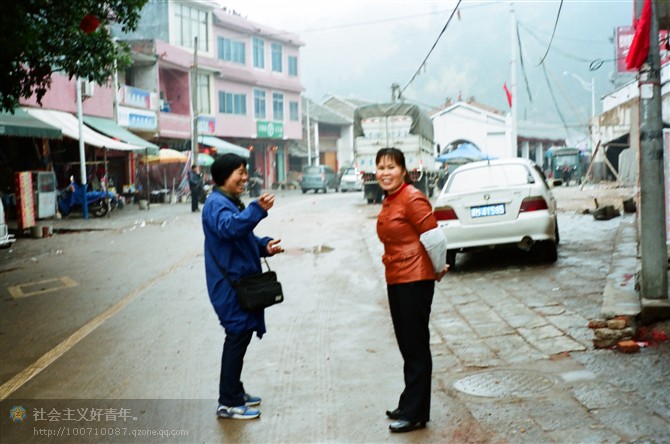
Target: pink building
248	85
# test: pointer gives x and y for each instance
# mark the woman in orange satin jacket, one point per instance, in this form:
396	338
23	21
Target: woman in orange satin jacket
410	277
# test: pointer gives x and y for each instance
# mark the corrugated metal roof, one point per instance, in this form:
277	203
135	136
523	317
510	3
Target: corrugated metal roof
323	114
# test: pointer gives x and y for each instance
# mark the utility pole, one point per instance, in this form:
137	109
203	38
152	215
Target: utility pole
395	92
652	234
514	107
82	150
194	137
309	136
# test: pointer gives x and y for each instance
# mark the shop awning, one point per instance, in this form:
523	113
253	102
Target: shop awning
70	127
223	147
22	124
111	129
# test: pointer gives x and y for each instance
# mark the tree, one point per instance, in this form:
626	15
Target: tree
40	37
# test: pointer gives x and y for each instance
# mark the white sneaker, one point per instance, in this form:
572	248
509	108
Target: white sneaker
242	412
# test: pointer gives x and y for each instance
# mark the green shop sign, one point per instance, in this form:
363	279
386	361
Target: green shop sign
269	130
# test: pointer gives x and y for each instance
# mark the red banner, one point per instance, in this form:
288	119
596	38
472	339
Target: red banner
624	37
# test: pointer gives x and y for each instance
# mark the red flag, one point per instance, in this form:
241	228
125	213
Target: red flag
639	48
509	95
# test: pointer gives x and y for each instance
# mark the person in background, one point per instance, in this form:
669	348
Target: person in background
231	245
195	185
406	214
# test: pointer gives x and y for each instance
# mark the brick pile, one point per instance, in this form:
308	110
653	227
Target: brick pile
616	332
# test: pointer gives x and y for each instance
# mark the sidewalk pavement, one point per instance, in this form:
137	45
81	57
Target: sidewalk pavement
620	295
130	215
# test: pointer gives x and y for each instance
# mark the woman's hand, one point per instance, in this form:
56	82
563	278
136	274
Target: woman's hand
440	275
266	201
273	247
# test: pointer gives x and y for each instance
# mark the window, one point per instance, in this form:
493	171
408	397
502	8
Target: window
277	106
293	111
276	57
203	94
231	50
292	66
191	23
259	104
230	103
259	53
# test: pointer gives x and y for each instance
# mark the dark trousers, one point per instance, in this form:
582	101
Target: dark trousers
410	310
195	199
231	390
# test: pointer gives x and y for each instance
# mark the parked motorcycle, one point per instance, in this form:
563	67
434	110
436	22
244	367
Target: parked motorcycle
99	202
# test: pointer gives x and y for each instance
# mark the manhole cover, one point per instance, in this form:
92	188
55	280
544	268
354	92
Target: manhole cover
504	383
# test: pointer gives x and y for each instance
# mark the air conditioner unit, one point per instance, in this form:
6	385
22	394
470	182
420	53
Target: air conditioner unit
87	88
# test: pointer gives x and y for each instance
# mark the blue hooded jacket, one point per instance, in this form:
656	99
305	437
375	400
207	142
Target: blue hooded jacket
231	244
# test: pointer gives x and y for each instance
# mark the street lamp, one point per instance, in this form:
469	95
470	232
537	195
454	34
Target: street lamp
589	87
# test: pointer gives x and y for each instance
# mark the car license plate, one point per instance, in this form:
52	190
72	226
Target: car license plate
487	210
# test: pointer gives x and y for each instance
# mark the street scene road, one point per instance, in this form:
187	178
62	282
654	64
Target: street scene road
112	316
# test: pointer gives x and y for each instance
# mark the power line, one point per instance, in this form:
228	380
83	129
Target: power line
523	67
553	98
432	48
558	14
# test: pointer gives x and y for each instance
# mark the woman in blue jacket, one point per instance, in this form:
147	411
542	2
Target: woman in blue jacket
231	245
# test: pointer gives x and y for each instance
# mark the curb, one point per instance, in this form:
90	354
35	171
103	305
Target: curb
620	297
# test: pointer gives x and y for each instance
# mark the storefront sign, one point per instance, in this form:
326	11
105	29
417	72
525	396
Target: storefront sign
137	98
137	119
206	125
269	130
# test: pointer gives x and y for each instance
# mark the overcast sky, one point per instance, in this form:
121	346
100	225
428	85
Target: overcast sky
359	48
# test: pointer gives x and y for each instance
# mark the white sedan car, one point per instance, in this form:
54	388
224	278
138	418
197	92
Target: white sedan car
498	202
351	181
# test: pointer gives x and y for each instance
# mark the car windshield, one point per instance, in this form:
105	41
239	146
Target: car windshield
489	176
311	170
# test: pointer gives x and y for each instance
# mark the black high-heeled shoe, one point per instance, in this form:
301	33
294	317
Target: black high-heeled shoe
394	414
403	425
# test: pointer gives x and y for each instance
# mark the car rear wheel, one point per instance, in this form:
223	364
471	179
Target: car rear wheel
556	236
451	259
546	251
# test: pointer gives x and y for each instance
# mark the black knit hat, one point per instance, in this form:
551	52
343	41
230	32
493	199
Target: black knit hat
223	167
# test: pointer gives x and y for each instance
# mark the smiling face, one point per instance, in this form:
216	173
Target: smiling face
236	182
389	174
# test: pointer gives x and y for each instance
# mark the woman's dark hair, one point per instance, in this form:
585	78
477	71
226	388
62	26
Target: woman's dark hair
398	157
223	167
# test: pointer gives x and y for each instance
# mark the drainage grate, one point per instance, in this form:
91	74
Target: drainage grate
504	383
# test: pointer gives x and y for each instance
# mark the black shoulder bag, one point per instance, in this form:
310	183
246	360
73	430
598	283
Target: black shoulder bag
257	291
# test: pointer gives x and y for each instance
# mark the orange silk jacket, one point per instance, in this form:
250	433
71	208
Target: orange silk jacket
404	216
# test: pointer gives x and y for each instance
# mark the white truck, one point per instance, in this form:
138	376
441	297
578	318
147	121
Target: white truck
394	125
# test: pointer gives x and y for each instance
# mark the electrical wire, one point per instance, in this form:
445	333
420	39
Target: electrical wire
558	15
523	67
432	48
553	98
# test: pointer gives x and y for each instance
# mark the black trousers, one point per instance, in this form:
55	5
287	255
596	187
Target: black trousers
231	390
195	199
410	311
